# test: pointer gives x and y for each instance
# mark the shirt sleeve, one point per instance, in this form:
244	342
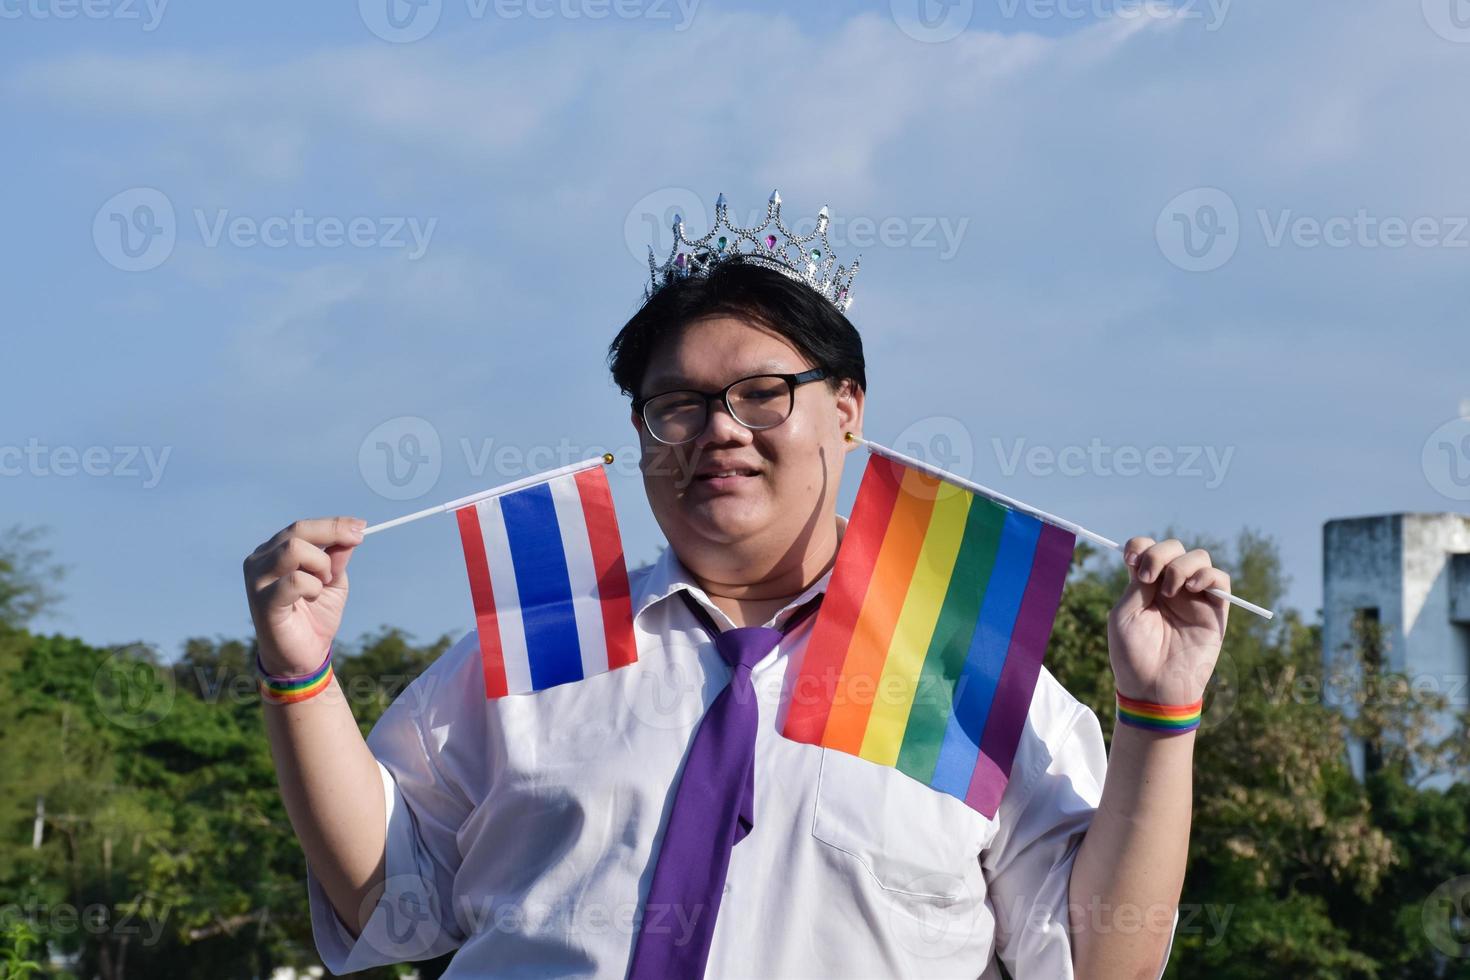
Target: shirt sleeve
413	918
1029	863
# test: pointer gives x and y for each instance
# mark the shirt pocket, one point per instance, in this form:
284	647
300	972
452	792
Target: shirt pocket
912	841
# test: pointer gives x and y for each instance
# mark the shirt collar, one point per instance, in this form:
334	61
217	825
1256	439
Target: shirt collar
668	575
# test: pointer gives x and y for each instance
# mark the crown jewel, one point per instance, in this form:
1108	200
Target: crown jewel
805	258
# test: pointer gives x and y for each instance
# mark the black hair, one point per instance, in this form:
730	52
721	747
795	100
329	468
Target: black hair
749	290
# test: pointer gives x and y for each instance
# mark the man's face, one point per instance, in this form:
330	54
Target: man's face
795	466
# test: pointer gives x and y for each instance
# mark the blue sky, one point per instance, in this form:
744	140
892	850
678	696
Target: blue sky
1200	265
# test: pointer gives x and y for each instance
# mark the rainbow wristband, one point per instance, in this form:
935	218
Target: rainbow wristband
291	688
1168	718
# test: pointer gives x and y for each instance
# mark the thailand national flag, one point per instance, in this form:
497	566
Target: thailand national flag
549	583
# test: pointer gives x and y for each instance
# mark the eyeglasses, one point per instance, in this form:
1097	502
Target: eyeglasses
757	402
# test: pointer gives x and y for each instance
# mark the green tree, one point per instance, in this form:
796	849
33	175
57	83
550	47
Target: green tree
164	849
1296	867
16	939
28	577
163	821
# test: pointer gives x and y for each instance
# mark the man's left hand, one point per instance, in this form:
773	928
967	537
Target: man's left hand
1165	631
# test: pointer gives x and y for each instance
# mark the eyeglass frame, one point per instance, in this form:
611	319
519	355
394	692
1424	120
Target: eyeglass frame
793	381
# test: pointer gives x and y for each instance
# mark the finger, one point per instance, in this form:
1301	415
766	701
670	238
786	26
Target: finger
261	565
1151	563
338	556
288	588
294	554
1134	548
1137	595
320	531
1177	571
288	556
1208	578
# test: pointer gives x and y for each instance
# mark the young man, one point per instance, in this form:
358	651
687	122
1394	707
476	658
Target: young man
551	834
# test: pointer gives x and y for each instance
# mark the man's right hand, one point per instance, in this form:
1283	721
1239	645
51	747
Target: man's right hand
296	584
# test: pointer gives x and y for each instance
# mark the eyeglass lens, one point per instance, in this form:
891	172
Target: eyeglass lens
756	403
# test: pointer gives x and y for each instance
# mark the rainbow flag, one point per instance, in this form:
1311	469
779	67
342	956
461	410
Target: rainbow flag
549	583
927	647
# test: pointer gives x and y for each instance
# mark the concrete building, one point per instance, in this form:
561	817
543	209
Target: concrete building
1411	574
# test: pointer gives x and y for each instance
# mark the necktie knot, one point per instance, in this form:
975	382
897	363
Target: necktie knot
744	646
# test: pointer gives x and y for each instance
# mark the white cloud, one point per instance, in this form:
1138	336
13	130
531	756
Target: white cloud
1058	319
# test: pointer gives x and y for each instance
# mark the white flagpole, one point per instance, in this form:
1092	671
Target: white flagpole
520	484
1015	504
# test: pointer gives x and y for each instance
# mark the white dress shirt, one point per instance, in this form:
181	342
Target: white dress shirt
522	831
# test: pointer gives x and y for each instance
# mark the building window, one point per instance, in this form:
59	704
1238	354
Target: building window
1368	640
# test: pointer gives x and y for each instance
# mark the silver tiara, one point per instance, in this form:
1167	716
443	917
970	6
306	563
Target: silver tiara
795	256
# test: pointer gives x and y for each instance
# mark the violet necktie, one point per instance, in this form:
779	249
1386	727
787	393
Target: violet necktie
714	809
